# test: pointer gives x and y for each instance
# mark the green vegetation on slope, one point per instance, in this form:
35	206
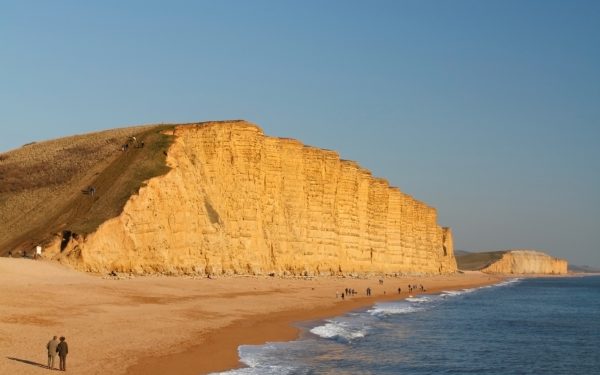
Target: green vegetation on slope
120	180
44	186
477	261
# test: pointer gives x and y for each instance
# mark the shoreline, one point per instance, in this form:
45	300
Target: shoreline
172	325
221	345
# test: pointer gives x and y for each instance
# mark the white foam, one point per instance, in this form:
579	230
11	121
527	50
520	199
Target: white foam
451	293
391	308
337	329
419	299
260	360
509	282
260	370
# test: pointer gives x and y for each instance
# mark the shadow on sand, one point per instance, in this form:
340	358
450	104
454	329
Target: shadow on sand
27	362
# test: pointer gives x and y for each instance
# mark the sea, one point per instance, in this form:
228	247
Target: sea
520	326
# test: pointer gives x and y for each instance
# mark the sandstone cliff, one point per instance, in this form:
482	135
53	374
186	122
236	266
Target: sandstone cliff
527	262
238	202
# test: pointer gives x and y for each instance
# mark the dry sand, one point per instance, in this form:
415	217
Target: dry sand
167	325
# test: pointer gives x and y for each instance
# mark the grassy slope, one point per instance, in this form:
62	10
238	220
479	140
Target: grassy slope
41	184
119	181
477	261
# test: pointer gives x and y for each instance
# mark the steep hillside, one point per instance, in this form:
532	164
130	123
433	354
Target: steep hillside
513	262
230	200
476	261
44	186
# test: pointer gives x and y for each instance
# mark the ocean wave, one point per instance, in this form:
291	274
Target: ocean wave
260	370
419	299
262	360
451	293
454	293
340	330
393	308
509	282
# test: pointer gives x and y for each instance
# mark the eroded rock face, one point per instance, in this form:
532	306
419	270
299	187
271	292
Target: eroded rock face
239	202
527	262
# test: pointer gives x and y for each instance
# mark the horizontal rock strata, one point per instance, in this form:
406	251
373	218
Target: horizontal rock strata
527	262
239	202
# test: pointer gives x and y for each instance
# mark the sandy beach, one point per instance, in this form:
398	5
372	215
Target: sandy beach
162	325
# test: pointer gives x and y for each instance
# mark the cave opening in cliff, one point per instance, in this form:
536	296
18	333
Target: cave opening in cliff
66	237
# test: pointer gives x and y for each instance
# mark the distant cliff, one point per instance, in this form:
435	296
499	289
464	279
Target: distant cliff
238	202
513	262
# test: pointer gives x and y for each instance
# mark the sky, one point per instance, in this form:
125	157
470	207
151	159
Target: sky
488	111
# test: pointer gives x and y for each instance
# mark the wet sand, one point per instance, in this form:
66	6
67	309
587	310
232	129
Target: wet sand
169	325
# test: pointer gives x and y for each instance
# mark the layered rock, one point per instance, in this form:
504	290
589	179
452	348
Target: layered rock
239	202
527	262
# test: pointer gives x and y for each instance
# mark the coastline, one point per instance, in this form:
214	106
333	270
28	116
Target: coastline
180	325
221	345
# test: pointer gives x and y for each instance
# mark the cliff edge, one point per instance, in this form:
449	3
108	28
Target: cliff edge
234	201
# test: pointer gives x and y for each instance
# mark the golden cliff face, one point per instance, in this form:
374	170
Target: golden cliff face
527	262
238	202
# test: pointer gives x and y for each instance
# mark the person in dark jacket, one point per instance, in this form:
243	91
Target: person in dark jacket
62	349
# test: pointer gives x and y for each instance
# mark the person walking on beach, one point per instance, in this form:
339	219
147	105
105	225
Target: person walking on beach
51	346
62	349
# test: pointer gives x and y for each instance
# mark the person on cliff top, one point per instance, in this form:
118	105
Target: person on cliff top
51	346
62	349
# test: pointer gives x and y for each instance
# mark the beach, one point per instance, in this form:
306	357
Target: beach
162	324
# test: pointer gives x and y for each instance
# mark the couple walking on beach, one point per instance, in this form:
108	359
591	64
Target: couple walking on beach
57	347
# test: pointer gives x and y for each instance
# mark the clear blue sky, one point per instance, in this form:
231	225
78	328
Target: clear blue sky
487	110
